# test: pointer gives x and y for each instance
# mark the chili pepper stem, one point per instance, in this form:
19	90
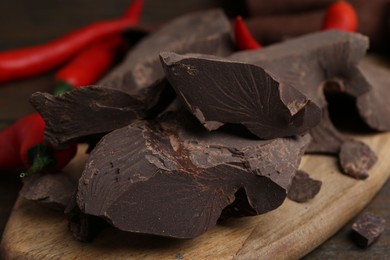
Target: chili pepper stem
61	87
41	158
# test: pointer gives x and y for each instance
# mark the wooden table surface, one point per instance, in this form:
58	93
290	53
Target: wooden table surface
31	22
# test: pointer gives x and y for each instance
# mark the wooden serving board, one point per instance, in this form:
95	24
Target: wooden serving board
291	231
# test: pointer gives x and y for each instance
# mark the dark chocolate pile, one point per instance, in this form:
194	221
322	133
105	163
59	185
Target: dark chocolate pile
136	88
173	178
329	61
191	133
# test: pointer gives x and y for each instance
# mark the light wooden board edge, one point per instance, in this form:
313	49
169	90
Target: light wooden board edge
289	232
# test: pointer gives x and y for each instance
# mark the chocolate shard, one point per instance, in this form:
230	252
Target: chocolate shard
326	139
85	111
218	91
367	228
374	106
138	83
356	158
174	179
52	190
307	63
303	188
205	32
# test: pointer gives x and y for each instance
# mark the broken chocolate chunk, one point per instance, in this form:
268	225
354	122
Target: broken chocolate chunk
356	158
367	228
205	32
326	139
219	91
52	190
374	106
136	89
84	112
303	188
173	178
307	63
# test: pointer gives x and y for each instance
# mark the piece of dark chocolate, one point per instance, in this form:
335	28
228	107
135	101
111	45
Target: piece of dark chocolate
137	84
356	158
219	91
207	32
174	178
52	190
367	228
307	62
84	112
374	106
303	188
310	62
326	139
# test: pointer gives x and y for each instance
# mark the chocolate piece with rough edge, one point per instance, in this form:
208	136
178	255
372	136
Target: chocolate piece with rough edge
218	91
85	111
174	178
374	106
207	32
303	188
138	82
367	228
326	139
356	158
52	190
308	63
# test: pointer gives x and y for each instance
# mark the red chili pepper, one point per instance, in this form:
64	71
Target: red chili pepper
23	145
25	62
133	13
342	16
87	67
243	38
23	142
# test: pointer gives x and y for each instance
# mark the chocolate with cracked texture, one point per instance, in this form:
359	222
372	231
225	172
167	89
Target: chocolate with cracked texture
52	190
138	83
218	91
205	32
307	63
174	178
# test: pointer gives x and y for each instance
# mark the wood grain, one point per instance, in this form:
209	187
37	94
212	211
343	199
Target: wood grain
289	232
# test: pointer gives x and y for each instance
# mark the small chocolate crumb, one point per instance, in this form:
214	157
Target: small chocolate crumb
51	190
356	158
367	228
303	188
